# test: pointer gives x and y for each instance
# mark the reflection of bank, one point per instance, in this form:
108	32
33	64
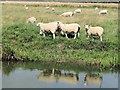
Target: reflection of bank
93	78
55	75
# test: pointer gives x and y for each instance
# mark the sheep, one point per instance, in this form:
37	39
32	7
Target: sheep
67	14
53	9
67	28
77	11
103	12
48	27
96	8
26	7
47	7
31	20
96	31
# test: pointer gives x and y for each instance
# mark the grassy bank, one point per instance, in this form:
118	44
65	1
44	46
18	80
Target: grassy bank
23	41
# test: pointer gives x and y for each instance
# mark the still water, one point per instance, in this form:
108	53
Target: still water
56	75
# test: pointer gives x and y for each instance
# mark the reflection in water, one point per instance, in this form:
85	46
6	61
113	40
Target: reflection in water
56	75
93	78
52	75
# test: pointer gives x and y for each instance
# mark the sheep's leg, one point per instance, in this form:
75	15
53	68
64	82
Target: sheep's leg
40	32
88	37
78	34
53	35
66	35
101	38
75	36
43	34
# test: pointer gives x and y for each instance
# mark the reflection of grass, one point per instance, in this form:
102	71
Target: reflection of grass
25	41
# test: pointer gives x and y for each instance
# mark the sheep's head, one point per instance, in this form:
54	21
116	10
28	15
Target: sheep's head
58	26
86	28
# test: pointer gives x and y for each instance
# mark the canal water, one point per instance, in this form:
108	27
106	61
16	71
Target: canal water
56	75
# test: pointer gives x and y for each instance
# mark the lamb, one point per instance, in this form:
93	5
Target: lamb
103	12
77	11
67	14
31	20
48	27
67	28
96	31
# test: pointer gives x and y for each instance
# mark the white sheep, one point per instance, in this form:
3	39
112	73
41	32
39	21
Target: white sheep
77	11
96	8
96	31
48	27
103	12
53	9
31	20
47	7
67	14
26	7
67	28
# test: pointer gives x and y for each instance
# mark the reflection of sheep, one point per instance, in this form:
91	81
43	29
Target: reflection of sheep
48	27
56	75
67	14
93	78
77	11
31	20
67	28
103	12
94	31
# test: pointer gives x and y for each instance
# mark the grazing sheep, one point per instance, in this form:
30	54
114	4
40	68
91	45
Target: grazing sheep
103	12
96	8
77	11
31	20
67	14
94	31
67	28
48	27
47	7
26	7
53	9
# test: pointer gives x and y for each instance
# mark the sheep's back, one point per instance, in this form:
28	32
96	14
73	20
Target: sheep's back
95	30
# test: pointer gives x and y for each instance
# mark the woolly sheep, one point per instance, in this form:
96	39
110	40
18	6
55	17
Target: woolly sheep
96	8
26	7
67	28
77	11
48	27
67	14
31	20
103	12
53	9
94	31
47	7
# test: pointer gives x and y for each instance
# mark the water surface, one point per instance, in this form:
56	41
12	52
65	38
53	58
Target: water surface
49	75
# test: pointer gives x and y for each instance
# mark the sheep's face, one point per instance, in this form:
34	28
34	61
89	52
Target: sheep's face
86	26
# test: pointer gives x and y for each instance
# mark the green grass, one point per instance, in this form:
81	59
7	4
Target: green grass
24	41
